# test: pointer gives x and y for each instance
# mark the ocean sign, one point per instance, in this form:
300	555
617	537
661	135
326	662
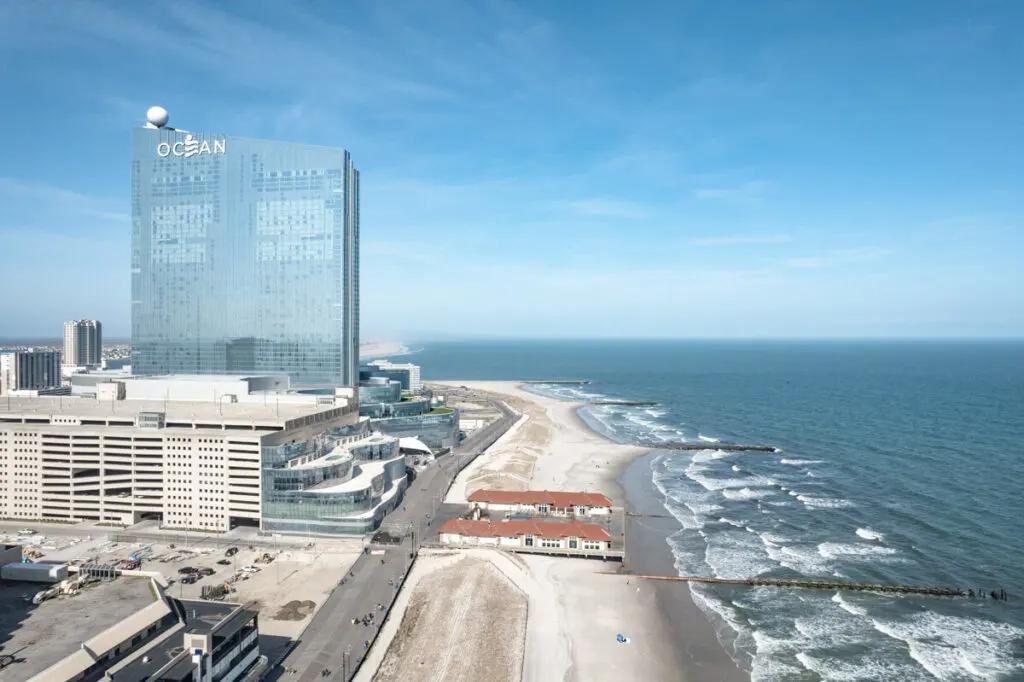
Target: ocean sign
191	147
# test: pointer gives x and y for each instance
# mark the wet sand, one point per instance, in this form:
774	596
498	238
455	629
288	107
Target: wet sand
704	658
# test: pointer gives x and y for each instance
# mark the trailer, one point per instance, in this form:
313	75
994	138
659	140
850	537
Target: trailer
34	573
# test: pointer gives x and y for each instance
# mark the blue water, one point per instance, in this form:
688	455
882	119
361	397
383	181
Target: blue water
902	463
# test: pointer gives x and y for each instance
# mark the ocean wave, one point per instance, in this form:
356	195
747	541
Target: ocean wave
823	502
745	494
736	554
800	462
702	456
847	606
708	439
869	534
951	647
838	670
837	550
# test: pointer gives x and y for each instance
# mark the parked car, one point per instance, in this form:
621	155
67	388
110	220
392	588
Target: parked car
189	579
251	569
187	570
232	551
206	571
224	562
26	531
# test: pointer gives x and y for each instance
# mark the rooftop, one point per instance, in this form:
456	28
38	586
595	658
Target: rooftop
560	500
176	410
200	617
43	635
511	529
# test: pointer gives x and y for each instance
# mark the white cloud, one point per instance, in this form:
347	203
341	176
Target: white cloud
740	239
40	199
609	208
743	193
838	257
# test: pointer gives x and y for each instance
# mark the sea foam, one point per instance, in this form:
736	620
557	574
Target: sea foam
869	534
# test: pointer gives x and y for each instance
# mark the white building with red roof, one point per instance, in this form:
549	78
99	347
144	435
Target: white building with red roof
526	534
541	502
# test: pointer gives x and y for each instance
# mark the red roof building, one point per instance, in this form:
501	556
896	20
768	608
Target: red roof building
543	501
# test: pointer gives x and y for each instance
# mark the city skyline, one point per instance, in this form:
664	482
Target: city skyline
791	170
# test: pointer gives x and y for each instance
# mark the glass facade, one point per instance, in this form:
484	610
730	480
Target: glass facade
245	258
300	481
434	430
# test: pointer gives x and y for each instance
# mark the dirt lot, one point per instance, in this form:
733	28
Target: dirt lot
464	623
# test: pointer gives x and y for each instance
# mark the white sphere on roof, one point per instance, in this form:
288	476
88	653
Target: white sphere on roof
157	116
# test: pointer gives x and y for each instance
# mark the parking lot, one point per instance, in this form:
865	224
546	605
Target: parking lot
289	583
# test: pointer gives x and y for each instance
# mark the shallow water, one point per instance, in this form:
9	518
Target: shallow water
901	463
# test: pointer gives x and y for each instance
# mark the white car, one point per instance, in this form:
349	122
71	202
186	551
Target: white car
26	531
250	569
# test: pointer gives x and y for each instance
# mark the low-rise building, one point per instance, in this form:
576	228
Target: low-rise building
542	502
130	630
406	373
526	534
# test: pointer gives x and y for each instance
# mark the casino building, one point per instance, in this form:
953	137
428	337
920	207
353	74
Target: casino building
245	257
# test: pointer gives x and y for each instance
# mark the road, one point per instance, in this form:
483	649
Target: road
331	641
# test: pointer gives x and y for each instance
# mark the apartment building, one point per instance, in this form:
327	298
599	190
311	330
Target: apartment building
29	370
83	343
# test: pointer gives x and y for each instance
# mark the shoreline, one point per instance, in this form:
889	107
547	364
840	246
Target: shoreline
553	447
648	552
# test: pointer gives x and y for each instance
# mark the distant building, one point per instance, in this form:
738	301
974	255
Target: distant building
29	370
245	257
542	502
203	452
83	343
526	534
405	373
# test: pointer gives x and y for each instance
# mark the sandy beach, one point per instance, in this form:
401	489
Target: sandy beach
576	607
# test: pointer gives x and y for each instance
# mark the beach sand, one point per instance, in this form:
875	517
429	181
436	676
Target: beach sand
577	607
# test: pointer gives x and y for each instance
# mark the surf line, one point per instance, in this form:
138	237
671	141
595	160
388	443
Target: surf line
827	585
724	447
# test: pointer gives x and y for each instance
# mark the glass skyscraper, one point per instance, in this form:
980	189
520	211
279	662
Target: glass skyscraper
245	257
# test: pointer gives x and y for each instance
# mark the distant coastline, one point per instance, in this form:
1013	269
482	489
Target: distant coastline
382	349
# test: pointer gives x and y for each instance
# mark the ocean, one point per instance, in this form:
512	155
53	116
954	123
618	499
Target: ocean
901	463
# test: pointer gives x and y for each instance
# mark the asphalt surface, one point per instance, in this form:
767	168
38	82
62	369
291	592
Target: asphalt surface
331	641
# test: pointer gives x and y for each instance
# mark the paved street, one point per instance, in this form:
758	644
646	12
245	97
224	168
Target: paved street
331	641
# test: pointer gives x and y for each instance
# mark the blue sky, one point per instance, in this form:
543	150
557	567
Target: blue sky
653	169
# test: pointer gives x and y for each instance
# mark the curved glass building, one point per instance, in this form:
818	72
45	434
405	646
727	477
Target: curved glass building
344	480
245	257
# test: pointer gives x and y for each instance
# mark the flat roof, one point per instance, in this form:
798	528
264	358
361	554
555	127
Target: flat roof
270	411
201	617
46	634
560	499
